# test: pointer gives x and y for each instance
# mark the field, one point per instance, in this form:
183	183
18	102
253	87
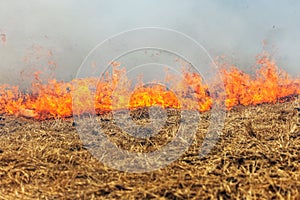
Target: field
256	157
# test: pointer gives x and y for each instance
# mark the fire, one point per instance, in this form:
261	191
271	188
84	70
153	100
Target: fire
268	86
153	95
111	92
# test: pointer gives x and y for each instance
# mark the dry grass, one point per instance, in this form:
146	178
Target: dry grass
257	157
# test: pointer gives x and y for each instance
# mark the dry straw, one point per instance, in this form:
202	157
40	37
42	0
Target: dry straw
257	157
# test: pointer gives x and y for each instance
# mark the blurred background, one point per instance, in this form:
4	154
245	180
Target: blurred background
56	35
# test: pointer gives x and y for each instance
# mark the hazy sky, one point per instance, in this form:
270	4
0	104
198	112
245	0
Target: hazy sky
70	29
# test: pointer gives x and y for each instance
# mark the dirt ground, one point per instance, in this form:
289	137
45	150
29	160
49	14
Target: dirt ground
256	157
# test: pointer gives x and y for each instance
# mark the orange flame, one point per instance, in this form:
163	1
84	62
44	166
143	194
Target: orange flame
268	86
54	98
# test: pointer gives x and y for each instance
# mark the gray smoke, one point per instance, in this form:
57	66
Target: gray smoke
70	29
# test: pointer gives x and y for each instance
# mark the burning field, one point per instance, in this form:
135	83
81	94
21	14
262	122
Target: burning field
257	155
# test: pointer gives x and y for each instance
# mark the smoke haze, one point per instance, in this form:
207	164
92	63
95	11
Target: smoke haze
63	32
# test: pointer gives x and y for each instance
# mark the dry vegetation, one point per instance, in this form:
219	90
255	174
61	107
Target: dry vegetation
257	157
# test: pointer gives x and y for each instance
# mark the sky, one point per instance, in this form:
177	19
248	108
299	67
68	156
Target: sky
64	31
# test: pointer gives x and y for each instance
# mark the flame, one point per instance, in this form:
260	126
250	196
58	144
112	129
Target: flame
112	92
268	86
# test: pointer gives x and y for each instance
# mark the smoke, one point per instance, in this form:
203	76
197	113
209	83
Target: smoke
63	32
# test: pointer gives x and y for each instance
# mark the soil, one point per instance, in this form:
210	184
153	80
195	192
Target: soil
257	156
